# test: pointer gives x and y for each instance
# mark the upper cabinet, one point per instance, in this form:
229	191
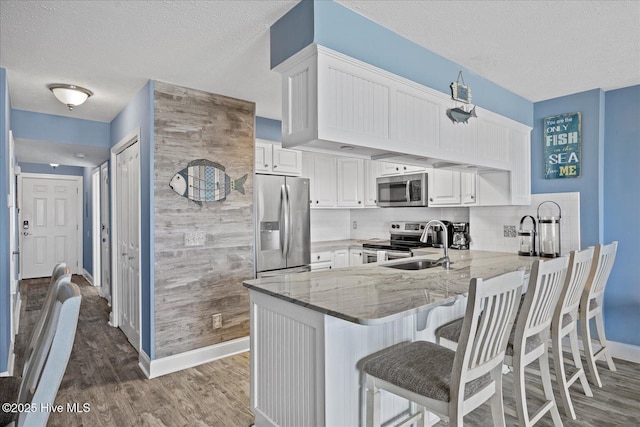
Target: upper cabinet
332	102
271	158
350	182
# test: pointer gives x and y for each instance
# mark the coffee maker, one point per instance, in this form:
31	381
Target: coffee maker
461	236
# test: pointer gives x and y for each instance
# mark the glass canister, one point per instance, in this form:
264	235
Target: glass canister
527	238
549	233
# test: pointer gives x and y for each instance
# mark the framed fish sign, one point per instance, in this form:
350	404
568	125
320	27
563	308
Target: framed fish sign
562	146
205	181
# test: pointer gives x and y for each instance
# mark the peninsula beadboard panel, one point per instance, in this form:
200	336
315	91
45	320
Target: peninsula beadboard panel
192	283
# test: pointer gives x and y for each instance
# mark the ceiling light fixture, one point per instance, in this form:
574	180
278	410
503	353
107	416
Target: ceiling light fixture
54	165
70	95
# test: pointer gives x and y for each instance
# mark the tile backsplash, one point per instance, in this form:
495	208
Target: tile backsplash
337	224
491	227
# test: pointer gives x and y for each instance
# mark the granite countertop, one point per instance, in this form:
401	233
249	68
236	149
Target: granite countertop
371	294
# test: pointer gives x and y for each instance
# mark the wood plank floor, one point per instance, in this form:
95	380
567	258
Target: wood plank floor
103	372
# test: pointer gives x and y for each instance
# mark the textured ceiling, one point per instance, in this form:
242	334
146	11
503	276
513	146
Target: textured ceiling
537	49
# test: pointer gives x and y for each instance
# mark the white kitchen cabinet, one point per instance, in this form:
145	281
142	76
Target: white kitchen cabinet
389	169
458	140
444	187
350	182
340	258
494	143
271	158
355	257
520	168
468	188
371	173
321	171
322	260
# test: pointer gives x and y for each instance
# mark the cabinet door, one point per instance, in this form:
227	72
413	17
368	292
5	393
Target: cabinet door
355	257
350	182
341	258
520	168
388	169
468	188
263	157
287	162
371	172
324	181
444	187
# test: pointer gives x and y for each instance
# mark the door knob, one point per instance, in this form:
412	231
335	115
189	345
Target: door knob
26	233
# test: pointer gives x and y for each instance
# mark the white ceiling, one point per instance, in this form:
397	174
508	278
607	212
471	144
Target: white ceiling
537	49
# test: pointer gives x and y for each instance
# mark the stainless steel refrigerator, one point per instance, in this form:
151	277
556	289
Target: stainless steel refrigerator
283	225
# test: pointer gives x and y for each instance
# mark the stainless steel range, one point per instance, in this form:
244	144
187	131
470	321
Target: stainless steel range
404	236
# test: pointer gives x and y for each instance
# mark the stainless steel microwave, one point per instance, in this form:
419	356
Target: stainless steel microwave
402	190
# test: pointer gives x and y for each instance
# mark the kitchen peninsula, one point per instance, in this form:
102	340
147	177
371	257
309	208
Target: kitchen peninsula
309	331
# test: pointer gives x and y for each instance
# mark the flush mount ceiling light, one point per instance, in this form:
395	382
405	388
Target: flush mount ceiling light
70	95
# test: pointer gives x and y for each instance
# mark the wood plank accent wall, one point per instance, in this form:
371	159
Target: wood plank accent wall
194	282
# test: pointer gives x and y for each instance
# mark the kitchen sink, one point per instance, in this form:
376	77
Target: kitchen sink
419	264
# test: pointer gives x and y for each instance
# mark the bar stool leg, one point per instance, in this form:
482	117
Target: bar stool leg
603	340
373	407
561	376
497	405
588	349
577	362
548	388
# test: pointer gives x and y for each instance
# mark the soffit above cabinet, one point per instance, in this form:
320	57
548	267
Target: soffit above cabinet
336	104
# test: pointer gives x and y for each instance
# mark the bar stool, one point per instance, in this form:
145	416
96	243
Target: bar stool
564	323
529	339
446	382
591	308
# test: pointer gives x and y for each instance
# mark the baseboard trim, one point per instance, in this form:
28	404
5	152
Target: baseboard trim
11	362
619	350
628	352
87	276
177	362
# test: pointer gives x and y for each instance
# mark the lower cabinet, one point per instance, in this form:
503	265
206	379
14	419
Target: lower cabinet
355	257
321	260
341	258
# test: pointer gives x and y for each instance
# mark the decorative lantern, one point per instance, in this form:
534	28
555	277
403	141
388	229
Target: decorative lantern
549	233
527	238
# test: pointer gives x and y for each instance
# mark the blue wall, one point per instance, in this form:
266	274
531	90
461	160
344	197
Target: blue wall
47	169
48	127
5	253
589	184
268	129
138	114
339	28
609	191
622	212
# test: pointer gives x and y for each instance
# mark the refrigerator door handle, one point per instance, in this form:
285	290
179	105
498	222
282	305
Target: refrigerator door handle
283	231
287	220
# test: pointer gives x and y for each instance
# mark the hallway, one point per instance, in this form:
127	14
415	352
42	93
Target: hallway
103	372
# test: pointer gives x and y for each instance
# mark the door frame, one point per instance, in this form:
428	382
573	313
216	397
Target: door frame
79	209
105	285
95	228
114	319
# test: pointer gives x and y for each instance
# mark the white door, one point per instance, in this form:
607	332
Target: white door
127	191
49	224
105	249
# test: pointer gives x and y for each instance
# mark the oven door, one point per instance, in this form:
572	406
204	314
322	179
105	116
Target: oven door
369	256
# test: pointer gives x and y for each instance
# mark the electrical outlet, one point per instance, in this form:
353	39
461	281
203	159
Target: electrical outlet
195	238
355	225
510	231
217	321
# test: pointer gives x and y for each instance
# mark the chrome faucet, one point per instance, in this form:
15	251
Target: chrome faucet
445	259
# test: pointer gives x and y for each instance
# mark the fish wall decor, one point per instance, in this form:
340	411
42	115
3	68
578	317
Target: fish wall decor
205	181
460	115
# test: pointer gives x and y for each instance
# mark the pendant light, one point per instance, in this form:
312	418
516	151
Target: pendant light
70	95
